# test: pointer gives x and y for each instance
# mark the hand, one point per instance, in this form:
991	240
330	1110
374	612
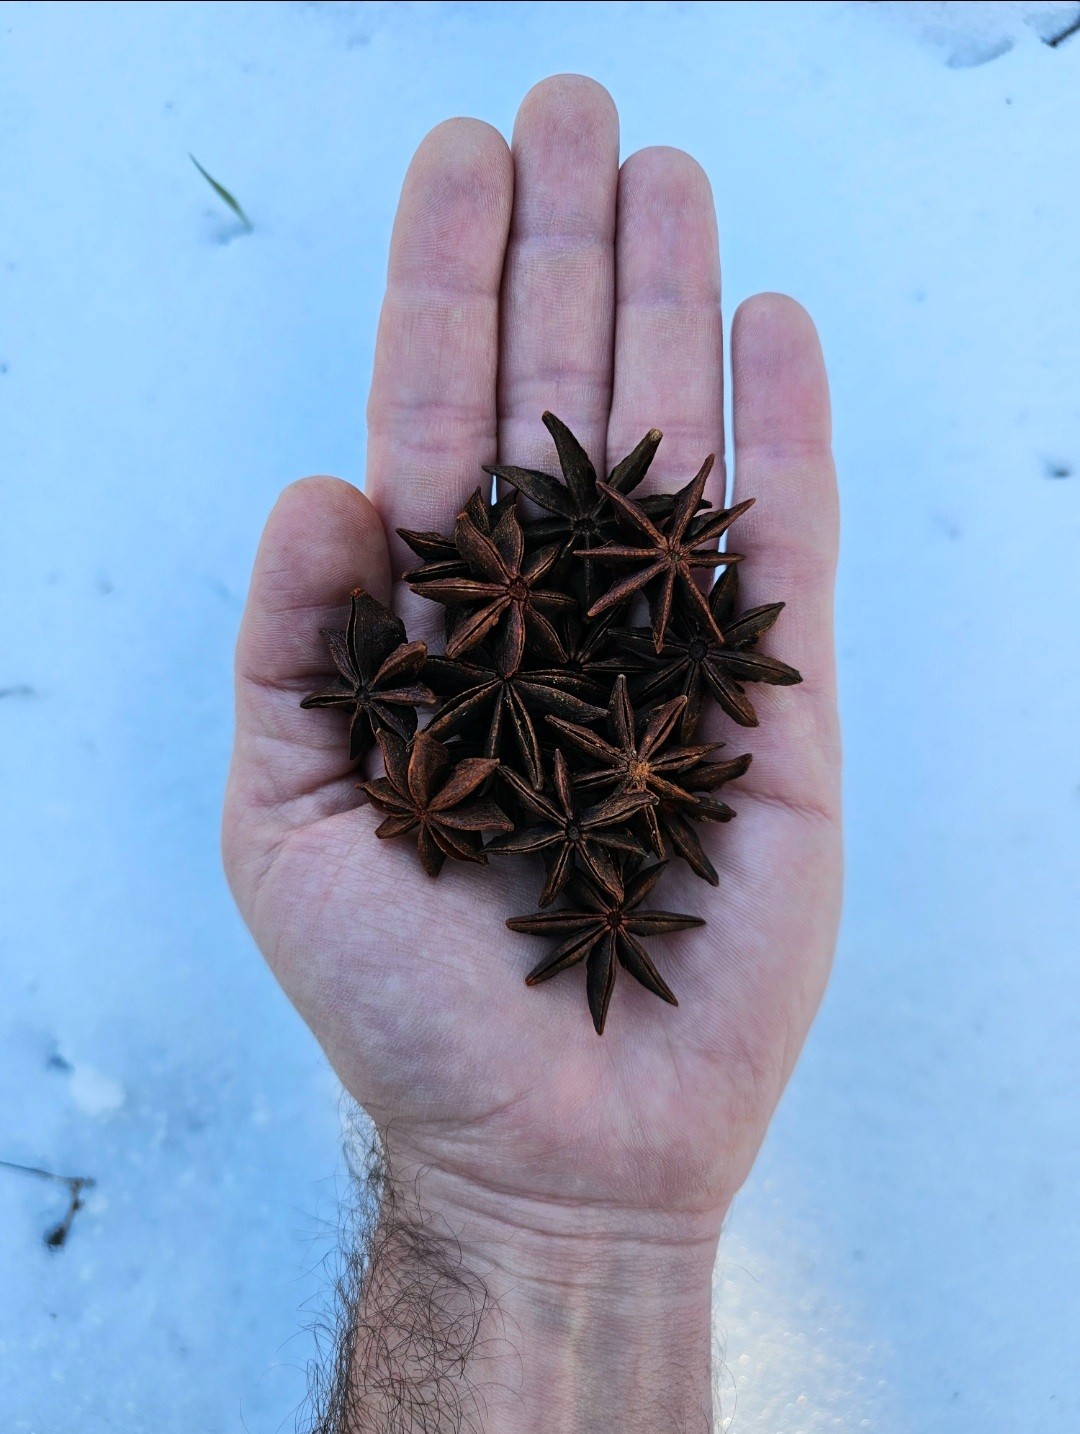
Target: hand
548	277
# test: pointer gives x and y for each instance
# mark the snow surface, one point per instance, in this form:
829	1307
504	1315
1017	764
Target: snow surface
905	1256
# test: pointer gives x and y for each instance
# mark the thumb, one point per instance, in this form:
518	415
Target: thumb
290	767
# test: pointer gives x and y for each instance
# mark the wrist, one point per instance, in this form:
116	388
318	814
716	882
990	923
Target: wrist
594	1318
565	1240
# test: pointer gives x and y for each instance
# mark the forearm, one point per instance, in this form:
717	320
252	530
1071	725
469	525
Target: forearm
480	1313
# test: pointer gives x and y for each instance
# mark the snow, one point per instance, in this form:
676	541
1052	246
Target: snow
905	1255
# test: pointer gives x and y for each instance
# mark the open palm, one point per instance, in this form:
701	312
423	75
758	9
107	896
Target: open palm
548	277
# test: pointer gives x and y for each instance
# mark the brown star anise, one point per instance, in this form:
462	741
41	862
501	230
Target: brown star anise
501	586
586	644
419	794
638	763
441	557
602	930
377	670
693	662
486	699
674	549
580	513
676	819
567	833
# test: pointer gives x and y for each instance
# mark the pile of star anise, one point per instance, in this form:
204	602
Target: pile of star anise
557	724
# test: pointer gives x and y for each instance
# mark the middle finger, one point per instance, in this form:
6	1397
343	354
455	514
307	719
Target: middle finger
559	280
669	336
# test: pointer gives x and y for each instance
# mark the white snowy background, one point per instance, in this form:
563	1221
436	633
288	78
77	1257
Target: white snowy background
905	1256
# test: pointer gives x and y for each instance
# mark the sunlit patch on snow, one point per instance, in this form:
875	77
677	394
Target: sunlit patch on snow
791	1358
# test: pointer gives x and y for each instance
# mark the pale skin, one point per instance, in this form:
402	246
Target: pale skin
586	1178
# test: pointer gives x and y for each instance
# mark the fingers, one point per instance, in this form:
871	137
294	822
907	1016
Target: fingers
431	414
790	538
290	766
668	331
558	288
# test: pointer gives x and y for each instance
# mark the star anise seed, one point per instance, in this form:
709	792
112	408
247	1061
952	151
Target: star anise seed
421	792
377	671
602	930
569	833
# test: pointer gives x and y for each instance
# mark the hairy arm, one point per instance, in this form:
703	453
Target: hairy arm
490	1317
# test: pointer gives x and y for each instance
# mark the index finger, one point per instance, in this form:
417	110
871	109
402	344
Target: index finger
431	413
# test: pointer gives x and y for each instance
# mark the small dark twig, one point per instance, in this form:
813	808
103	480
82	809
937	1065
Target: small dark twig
56	1237
1070	29
21	690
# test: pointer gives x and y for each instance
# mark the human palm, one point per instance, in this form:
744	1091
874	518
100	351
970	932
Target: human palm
550	278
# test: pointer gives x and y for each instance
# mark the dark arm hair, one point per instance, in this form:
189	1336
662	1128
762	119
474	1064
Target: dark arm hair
406	1315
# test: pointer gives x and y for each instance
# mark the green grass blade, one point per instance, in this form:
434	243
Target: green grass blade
222	193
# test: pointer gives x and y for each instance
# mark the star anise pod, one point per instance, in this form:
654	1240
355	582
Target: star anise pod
486	700
501	586
377	674
693	662
672	551
602	930
441	557
565	832
422	793
580	514
634	761
588	645
676	819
